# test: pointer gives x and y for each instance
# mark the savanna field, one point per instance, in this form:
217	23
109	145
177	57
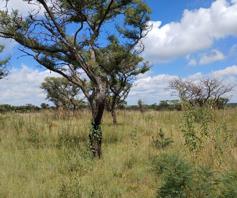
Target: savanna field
46	154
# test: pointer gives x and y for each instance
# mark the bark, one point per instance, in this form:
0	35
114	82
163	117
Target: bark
113	107
95	136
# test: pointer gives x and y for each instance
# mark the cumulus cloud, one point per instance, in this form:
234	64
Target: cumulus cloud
206	58
22	86
152	89
197	30
229	71
211	57
22	6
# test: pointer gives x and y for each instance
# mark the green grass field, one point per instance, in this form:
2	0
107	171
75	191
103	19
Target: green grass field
46	154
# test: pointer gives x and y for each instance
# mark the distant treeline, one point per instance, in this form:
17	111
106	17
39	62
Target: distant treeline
171	105
164	105
29	108
22	108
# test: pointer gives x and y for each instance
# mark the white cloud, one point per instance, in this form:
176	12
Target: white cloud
229	71
211	57
206	58
22	86
198	29
22	6
152	89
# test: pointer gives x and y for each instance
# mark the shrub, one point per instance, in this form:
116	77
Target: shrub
196	126
176	175
160	141
228	185
180	179
203	183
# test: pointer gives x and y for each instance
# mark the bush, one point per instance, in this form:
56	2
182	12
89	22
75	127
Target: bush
203	183
181	179
176	175
228	185
196	126
160	141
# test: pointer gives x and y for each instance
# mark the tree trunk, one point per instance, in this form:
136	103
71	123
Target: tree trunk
95	136
112	110
114	116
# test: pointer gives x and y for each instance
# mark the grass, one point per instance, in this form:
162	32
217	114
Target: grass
46	154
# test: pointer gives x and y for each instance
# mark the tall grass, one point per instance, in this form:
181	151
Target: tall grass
46	154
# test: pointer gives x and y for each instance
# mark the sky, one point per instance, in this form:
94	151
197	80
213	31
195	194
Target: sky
189	39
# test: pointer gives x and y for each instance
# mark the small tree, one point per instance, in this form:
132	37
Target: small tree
70	37
140	105
112	103
205	92
121	79
62	93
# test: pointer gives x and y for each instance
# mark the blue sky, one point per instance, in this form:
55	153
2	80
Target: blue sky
189	39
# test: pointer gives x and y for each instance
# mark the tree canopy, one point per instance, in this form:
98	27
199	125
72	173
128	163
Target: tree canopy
62	93
208	91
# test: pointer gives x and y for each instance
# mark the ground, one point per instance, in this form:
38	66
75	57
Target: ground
45	154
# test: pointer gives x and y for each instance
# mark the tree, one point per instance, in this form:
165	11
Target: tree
72	37
202	93
121	79
113	102
140	105
62	93
44	106
3	71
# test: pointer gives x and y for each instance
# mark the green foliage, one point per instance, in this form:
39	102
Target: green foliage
4	108
3	62
183	180
228	186
204	183
160	141
176	176
196	126
62	93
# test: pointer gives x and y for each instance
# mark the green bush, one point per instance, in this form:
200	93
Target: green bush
180	179
160	141
196	126
176	175
228	185
203	183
